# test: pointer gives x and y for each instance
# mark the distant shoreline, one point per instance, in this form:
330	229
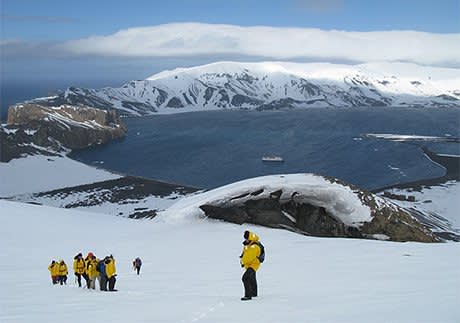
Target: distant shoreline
450	163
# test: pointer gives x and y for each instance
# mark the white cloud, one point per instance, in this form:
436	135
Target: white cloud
191	39
197	40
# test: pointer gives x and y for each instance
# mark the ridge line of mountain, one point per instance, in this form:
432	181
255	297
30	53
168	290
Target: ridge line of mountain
273	85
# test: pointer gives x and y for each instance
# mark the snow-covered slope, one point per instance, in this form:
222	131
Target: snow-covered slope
191	273
438	203
43	173
273	85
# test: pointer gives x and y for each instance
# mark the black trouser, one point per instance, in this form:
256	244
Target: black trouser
78	279
112	281
103	282
138	269
250	283
86	277
63	279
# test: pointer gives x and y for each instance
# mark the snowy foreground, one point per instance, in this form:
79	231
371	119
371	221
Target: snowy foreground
191	273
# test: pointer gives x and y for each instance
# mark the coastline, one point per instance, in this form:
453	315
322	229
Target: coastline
450	163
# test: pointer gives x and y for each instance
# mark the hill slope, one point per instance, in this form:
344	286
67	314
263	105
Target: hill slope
191	273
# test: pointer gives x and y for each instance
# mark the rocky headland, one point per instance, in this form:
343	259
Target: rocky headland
36	129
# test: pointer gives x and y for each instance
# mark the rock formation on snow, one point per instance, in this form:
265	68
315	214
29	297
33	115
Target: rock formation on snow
308	204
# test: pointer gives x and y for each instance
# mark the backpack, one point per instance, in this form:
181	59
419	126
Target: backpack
99	266
262	252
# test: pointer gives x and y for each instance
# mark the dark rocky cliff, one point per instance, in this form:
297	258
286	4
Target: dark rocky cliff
308	214
32	129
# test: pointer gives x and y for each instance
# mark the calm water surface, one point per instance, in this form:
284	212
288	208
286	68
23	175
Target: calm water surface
210	149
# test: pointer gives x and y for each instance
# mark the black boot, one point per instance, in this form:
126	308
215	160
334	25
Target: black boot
246	298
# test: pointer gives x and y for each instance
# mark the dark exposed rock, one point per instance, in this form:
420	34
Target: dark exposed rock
230	214
15	143
56	128
175	102
149	214
130	191
238	100
399	197
300	214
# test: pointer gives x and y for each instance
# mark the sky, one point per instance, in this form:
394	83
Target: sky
96	43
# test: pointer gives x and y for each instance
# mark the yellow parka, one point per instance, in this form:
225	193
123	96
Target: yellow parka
110	268
91	268
251	253
54	269
62	268
79	266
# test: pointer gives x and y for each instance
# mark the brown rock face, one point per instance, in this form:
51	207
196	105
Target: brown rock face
74	127
296	214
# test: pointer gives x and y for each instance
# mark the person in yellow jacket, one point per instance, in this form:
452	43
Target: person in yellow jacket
62	272
111	272
54	271
79	267
91	270
85	274
250	261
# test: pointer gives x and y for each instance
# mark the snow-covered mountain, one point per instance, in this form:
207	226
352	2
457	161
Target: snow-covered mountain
274	85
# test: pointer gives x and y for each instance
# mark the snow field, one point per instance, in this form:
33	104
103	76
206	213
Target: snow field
191	273
34	174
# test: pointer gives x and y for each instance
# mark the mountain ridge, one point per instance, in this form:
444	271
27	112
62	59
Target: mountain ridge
273	85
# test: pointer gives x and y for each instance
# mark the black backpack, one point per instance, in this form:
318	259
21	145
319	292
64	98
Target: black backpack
262	252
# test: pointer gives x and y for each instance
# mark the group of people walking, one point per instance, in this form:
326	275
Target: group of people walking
58	271
90	268
103	270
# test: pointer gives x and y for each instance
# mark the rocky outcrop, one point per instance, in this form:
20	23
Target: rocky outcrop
127	196
314	215
32	128
16	142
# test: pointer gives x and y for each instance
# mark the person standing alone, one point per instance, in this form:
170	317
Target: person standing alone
250	260
137	263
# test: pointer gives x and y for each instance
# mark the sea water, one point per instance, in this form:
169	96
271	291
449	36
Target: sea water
210	149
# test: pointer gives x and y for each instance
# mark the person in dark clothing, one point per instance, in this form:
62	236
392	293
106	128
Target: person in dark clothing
137	263
102	274
250	283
